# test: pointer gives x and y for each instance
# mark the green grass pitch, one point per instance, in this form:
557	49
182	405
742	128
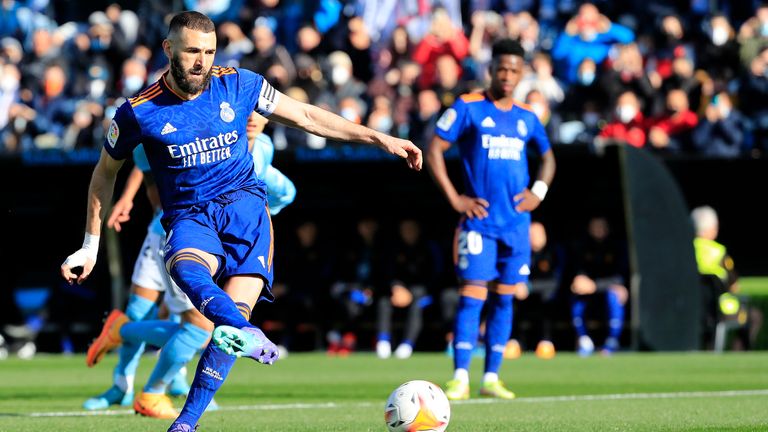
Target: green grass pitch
312	392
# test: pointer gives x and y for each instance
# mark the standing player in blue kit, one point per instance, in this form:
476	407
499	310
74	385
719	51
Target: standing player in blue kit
219	243
492	249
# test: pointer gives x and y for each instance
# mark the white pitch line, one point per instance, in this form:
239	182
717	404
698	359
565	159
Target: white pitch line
540	399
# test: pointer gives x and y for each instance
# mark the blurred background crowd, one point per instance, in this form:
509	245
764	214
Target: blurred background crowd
685	76
682	78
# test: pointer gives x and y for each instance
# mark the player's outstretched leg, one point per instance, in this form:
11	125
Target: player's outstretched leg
108	339
245	342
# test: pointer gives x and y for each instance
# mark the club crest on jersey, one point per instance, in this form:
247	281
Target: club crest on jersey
522	129
113	134
227	113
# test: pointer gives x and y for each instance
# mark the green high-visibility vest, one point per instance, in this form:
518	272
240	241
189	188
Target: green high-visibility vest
711	257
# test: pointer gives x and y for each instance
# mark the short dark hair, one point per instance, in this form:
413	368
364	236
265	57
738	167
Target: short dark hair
507	46
192	20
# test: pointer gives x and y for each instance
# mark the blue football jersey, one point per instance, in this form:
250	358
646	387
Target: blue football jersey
492	146
198	148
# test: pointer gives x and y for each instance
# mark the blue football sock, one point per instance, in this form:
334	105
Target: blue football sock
498	329
138	309
466	328
383	336
615	315
195	280
180	349
212	370
577	312
154	332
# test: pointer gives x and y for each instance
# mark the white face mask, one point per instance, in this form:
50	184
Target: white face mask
340	75
591	118
97	88
719	36
349	114
133	83
626	113
539	110
9	84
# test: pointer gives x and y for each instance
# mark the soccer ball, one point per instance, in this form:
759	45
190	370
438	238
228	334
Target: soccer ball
417	406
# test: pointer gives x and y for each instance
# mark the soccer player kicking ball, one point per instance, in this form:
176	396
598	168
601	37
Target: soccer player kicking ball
219	243
493	249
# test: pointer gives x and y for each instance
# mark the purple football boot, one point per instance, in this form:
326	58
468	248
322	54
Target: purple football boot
182	427
245	342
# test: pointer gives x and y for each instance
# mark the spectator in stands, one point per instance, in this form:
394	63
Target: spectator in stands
540	79
399	49
753	35
487	26
422	124
524	27
269	57
357	275
627	126
443	38
588	34
53	108
672	131
683	77
447	85
599	266
343	83
235	44
133	77
411	272
627	73
722	131
753	94
719	54
713	259
548	118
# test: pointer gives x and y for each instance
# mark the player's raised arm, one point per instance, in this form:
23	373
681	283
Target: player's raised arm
99	193
318	121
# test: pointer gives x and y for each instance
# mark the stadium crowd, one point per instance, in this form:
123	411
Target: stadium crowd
673	77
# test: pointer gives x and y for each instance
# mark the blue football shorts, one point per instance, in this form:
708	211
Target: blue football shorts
483	257
234	226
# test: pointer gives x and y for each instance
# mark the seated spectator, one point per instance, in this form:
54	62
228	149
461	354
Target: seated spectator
719	55
587	35
672	132
586	91
752	96
753	34
712	259
535	301
599	267
721	133
627	126
410	273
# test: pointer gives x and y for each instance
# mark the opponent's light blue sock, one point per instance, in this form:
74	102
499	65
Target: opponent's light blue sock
498	329
138	309
154	332
212	370
577	312
615	315
195	280
466	328
180	349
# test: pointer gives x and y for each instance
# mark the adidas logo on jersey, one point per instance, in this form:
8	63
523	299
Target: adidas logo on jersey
488	122
525	270
168	128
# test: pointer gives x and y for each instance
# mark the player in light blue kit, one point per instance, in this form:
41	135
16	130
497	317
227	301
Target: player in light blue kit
492	249
179	342
219	243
